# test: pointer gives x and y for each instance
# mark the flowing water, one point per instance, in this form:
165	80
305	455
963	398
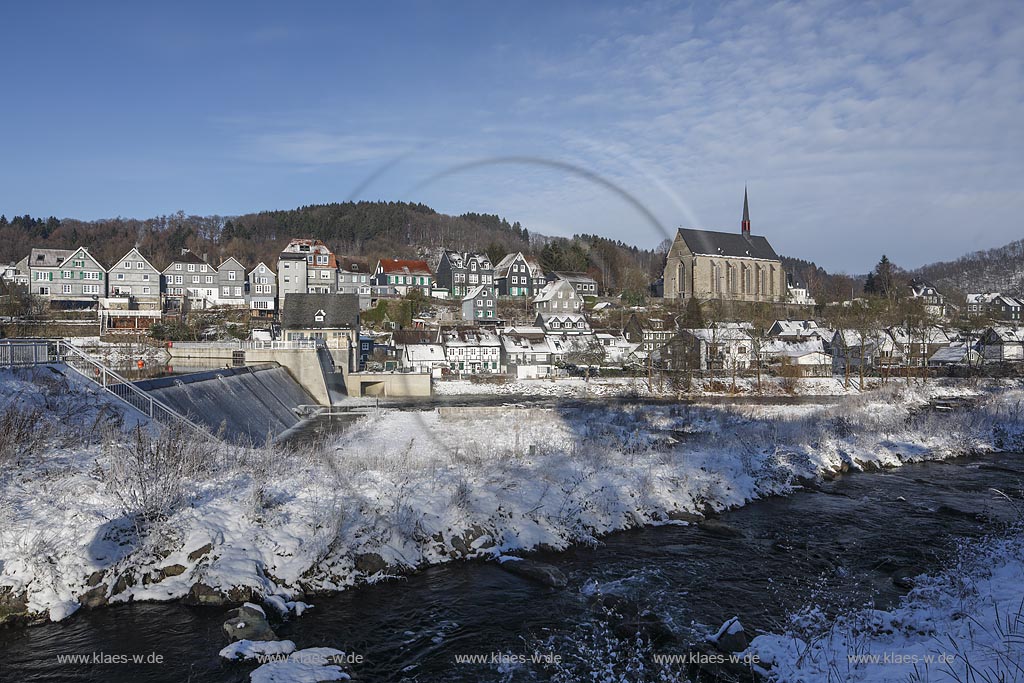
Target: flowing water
840	543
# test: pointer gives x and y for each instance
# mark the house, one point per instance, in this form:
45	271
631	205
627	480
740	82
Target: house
330	320
424	358
135	280
724	265
67	278
957	353
355	277
917	346
808	358
480	304
581	282
853	350
459	272
471	350
18	273
797	294
189	281
517	275
727	349
994	305
617	349
934	302
306	266
526	353
800	330
404	275
558	296
44	268
231	283
563	324
648	334
262	281
1002	343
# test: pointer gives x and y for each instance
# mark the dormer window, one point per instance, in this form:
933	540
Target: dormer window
319	317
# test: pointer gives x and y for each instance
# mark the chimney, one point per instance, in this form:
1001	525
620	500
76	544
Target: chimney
745	224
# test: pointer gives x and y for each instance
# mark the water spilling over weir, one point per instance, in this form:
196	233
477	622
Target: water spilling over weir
250	403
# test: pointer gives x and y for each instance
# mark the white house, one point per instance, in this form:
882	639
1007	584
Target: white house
558	296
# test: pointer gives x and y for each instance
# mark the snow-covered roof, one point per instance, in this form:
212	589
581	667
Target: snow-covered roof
954	353
792	349
460	259
468	337
717	335
525	343
1007	334
551	290
476	291
928	335
424	353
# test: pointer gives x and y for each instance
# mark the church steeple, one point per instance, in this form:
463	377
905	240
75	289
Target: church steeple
745	224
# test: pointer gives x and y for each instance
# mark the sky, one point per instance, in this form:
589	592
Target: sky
859	128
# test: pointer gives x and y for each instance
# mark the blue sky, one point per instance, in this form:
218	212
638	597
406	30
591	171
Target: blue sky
860	128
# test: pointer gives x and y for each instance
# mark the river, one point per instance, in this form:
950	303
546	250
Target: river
838	544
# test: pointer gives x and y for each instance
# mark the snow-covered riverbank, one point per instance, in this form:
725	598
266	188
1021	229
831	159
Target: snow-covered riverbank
965	623
92	515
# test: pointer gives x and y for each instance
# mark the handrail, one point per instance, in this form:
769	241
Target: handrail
125	390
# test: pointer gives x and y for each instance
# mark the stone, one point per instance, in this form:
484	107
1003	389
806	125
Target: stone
123	583
369	564
731	637
95	578
717	527
683	516
171	570
537	571
94	597
199	552
246	623
13	606
201	595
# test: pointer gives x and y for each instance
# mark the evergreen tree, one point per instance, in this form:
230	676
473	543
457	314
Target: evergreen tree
693	316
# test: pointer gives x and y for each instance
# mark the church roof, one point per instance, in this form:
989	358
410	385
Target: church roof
736	244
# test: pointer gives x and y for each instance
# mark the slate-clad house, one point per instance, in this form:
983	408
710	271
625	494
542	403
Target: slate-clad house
480	304
231	283
460	272
189	279
306	266
581	282
262	283
405	275
558	296
518	276
134	278
355	277
332	320
1002	343
44	269
649	334
722	265
526	353
79	281
471	349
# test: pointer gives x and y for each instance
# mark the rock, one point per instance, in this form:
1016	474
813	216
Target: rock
247	623
731	637
201	595
682	516
123	583
94	597
13	606
629	620
369	564
95	578
237	594
199	552
538	571
905	577
717	527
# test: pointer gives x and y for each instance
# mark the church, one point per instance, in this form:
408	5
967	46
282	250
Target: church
724	265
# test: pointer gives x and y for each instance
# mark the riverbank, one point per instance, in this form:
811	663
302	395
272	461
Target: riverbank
963	623
101	516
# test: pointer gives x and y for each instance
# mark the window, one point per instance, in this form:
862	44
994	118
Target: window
90	289
225	291
91	275
321	260
238	291
177	266
202	268
191	267
120	276
325	275
145	277
127	265
195	279
139	265
177	279
66	289
145	290
209	279
67	275
232	275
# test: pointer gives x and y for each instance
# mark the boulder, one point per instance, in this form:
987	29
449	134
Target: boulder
719	528
683	516
13	606
731	637
369	564
248	623
537	571
199	552
171	570
94	597
201	595
95	578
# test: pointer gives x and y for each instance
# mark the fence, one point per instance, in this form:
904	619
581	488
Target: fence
29	352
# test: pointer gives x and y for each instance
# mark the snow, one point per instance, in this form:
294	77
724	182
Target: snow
402	490
964	623
311	665
251	649
730	627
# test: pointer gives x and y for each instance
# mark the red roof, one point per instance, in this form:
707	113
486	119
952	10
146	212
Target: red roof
396	265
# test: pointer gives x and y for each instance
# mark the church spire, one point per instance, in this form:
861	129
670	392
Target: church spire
745	224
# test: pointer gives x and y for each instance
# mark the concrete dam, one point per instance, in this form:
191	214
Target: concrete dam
251	403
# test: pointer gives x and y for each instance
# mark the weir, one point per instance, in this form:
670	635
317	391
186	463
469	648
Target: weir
251	403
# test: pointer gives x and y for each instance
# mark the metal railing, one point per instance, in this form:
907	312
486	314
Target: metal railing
250	344
25	353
